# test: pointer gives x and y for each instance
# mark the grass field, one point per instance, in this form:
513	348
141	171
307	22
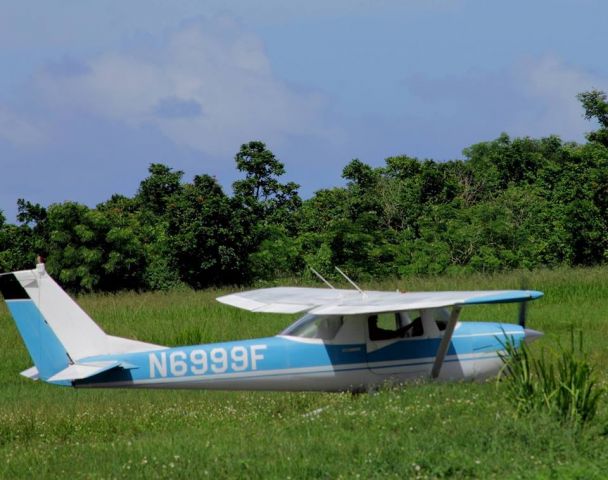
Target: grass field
424	430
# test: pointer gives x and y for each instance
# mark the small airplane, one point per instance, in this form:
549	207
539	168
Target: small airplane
348	340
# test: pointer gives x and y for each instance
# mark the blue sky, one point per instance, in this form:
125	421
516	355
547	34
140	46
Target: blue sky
92	92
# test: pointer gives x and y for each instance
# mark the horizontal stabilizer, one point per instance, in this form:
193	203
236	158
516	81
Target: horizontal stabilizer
79	371
31	373
62	340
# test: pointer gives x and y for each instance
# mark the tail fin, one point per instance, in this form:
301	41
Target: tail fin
44	347
56	331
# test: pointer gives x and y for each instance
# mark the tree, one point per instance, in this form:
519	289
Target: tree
16	252
124	257
155	192
265	209
261	169
75	249
33	219
155	197
260	191
95	249
595	104
204	235
362	199
20	245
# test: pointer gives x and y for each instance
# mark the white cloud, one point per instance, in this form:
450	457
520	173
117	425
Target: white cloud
216	65
553	85
530	97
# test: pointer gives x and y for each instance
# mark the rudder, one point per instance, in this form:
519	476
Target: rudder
45	349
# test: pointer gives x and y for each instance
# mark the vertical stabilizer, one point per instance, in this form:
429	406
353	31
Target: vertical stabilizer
78	333
45	349
55	330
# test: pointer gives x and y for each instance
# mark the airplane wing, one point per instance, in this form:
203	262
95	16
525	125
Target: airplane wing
321	301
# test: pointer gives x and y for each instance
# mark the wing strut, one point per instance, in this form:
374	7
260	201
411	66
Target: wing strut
445	342
321	278
350	281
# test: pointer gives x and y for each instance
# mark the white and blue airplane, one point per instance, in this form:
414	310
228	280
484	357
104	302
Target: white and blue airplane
348	340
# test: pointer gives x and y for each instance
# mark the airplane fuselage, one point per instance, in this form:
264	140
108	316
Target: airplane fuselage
346	341
292	363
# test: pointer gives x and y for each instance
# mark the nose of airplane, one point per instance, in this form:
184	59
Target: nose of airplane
531	335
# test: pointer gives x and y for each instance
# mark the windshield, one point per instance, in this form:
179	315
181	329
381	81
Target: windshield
313	326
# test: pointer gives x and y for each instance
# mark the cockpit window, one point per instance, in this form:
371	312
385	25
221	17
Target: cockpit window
441	317
313	326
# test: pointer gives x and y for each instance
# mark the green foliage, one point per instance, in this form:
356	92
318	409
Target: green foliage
203	238
156	191
260	191
279	255
595	104
76	254
94	249
567	388
511	203
16	248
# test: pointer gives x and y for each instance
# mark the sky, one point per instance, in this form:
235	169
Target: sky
93	92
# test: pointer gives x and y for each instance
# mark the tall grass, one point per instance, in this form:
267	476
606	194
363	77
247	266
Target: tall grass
577	392
427	430
566	387
518	368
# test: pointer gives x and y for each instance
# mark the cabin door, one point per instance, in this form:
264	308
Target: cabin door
391	348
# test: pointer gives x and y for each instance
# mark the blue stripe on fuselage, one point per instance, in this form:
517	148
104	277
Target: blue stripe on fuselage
276	354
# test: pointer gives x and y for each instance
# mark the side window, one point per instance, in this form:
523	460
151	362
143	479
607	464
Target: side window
441	317
411	324
405	318
388	321
311	326
328	327
416	329
383	326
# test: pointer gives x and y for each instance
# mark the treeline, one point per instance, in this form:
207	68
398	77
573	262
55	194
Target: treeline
511	203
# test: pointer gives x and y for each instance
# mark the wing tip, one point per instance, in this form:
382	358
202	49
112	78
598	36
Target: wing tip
510	296
534	294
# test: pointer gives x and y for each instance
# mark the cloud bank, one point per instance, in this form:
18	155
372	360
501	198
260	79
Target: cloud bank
87	125
208	85
188	97
535	96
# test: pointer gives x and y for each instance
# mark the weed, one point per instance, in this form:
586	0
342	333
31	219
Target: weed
521	385
567	387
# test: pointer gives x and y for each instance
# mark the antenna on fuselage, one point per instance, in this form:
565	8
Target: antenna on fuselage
321	278
350	281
